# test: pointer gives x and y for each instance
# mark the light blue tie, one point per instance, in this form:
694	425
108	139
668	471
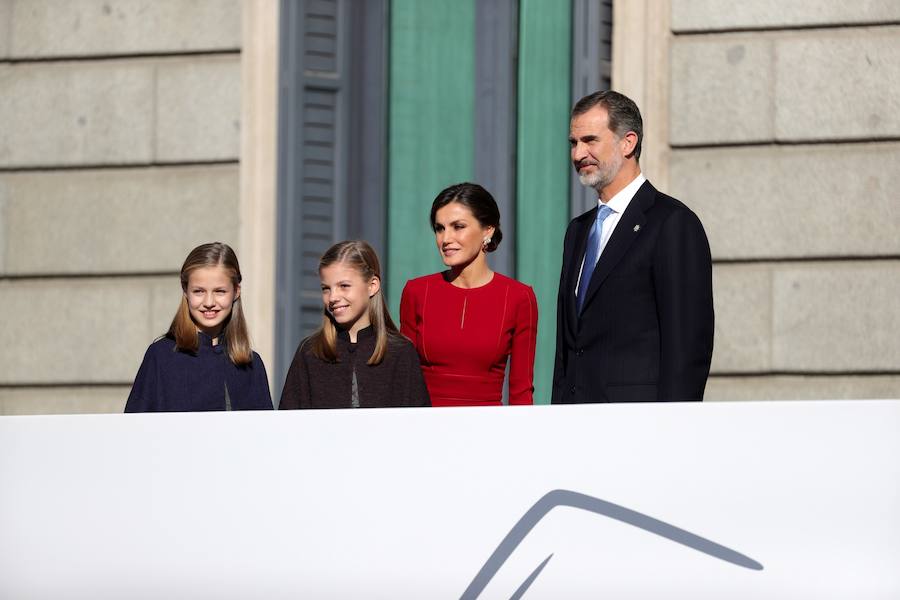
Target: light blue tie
591	255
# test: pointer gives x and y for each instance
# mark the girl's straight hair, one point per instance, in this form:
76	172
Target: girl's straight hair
183	329
360	256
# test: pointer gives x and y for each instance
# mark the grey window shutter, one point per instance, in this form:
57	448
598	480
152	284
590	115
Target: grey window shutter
331	66
591	68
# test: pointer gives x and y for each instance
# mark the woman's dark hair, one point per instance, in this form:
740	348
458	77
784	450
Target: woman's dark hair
476	199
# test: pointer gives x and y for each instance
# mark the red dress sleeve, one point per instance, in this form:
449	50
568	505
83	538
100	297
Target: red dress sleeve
524	340
408	325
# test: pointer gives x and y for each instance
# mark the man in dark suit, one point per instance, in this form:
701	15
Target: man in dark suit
635	310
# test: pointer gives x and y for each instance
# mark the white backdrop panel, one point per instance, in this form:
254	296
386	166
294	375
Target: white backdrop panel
787	500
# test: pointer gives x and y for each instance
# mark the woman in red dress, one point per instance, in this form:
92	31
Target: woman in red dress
467	321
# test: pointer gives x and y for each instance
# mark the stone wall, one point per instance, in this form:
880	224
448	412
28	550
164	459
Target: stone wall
784	136
119	152
777	121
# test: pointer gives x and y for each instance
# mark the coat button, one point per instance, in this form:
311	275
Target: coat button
579	351
572	390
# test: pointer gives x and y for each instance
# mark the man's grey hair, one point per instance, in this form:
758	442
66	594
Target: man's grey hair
624	115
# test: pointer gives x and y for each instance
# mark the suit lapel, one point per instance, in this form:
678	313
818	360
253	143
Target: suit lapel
578	249
627	231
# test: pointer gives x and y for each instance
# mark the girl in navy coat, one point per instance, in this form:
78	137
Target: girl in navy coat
204	361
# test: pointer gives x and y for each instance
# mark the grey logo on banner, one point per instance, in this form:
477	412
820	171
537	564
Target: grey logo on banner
601	507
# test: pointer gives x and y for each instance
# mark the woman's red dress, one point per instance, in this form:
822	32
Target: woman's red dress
464	337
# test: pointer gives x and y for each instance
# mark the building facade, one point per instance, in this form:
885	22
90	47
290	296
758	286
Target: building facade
131	131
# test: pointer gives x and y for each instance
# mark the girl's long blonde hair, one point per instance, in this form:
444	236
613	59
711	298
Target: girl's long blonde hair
183	329
360	256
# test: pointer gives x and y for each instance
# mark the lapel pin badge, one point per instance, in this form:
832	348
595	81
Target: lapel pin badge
637	228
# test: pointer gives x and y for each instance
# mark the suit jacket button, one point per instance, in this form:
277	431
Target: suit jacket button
572	390
579	352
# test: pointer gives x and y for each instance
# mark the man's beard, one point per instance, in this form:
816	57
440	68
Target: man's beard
603	175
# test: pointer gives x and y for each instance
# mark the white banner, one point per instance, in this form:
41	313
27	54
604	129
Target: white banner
749	500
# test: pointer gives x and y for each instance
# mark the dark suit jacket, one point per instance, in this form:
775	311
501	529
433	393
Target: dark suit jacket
646	329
